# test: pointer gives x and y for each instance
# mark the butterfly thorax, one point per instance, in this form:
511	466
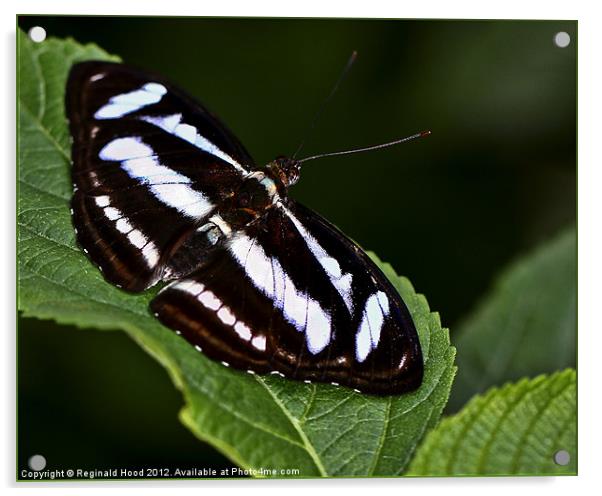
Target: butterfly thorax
258	191
287	170
261	190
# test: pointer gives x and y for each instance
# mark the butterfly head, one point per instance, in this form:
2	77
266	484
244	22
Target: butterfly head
286	169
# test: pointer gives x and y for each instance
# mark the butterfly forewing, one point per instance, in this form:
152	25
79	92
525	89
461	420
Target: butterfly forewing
292	294
150	166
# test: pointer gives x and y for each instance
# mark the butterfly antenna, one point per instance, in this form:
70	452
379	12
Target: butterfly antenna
325	102
368	148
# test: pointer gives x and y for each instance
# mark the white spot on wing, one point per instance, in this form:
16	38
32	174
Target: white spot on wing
151	254
125	149
208	299
331	266
123	226
102	201
363	344
294	304
373	317
226	316
168	186
184	199
149	171
126	103
167	123
341	282
383	301
114	110
259	342
269	277
242	330
173	125
134	236
112	213
156	88
137	238
318	328
186	132
189	286
402	362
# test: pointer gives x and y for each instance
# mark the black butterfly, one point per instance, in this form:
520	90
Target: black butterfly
164	191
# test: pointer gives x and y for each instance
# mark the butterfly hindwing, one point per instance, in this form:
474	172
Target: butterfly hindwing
292	294
149	166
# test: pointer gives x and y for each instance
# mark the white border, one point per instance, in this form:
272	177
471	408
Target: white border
590	246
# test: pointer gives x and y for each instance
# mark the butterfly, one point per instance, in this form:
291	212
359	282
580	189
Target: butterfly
164	192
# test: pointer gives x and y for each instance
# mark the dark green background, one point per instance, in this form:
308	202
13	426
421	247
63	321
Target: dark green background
497	176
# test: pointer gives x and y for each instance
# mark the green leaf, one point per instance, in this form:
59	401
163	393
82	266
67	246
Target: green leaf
514	430
526	326
259	422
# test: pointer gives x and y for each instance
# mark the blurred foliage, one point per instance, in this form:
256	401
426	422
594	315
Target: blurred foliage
525	326
79	409
496	177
